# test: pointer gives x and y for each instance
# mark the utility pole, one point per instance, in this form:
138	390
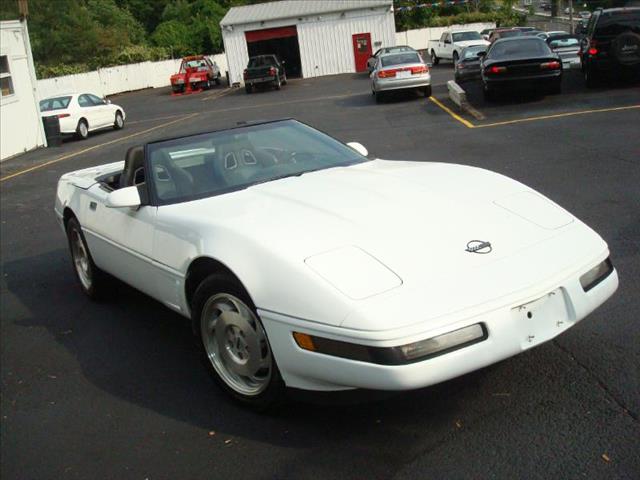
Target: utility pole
571	16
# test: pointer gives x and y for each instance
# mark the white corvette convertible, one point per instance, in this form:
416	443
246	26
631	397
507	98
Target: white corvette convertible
302	263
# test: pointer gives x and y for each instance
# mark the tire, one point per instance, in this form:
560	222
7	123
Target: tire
591	78
91	279
82	130
233	343
555	88
177	89
489	94
426	91
455	58
118	123
434	58
380	96
625	48
217	80
248	88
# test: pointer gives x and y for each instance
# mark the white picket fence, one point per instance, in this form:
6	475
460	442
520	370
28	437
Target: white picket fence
419	39
123	78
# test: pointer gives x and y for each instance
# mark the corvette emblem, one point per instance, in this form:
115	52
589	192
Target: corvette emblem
479	246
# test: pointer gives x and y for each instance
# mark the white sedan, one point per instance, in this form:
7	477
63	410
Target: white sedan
81	113
303	263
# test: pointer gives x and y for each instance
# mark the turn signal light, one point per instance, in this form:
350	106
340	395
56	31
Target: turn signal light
593	51
550	65
497	69
304	341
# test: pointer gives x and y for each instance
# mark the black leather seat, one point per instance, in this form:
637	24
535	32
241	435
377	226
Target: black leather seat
133	173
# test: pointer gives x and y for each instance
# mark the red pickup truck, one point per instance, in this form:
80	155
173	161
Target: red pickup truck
196	73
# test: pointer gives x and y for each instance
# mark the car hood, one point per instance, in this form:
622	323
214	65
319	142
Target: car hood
386	230
471	43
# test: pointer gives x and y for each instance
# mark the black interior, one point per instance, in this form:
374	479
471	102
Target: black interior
133	173
287	50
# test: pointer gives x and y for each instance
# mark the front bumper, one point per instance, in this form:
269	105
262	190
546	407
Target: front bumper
510	331
388	84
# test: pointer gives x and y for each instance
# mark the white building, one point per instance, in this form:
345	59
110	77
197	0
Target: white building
20	125
313	37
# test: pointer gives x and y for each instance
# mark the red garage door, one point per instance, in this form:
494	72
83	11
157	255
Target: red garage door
270	33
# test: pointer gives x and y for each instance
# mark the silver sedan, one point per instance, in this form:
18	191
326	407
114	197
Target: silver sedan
400	71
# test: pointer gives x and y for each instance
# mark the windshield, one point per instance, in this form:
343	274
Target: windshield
519	48
400	58
510	33
219	162
57	103
262	61
472	52
199	64
464	36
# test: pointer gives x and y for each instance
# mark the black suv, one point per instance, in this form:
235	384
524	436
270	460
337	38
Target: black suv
611	44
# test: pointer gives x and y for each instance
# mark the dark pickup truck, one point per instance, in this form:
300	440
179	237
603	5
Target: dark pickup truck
264	69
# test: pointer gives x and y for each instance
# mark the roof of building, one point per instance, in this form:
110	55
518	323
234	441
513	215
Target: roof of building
294	8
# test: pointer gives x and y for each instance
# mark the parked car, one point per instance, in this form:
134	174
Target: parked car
371	62
611	46
400	71
264	70
525	29
452	42
499	33
196	73
523	62
486	33
468	65
270	238
546	35
81	113
568	48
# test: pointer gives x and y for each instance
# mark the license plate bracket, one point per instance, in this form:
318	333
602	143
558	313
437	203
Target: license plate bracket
542	319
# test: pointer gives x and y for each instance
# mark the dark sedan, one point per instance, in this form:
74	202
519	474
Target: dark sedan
521	62
468	65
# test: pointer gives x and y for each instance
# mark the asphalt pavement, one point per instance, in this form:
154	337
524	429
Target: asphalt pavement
115	390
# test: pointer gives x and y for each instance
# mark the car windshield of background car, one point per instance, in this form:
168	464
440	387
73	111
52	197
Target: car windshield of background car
400	58
465	36
519	48
219	162
564	42
57	103
472	52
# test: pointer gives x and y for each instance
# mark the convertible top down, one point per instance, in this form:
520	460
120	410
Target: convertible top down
303	263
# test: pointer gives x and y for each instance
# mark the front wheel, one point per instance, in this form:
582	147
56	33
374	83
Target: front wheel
90	277
426	91
118	124
455	58
234	344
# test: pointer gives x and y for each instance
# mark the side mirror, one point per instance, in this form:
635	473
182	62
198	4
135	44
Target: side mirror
482	54
358	147
124	197
107	101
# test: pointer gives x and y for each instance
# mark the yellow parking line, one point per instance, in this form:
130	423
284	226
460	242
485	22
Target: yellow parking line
557	115
75	154
221	94
452	113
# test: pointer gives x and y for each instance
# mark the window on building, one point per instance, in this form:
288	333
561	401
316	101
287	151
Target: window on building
6	83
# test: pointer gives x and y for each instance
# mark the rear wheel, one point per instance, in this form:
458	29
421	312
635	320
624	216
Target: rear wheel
90	277
82	130
434	58
234	344
488	93
555	88
426	91
591	78
455	58
380	96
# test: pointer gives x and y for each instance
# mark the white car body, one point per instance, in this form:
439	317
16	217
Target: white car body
376	254
447	48
97	112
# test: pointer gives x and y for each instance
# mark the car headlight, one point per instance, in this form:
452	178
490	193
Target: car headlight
597	274
401	355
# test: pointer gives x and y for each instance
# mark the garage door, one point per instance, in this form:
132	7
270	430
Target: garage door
282	42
